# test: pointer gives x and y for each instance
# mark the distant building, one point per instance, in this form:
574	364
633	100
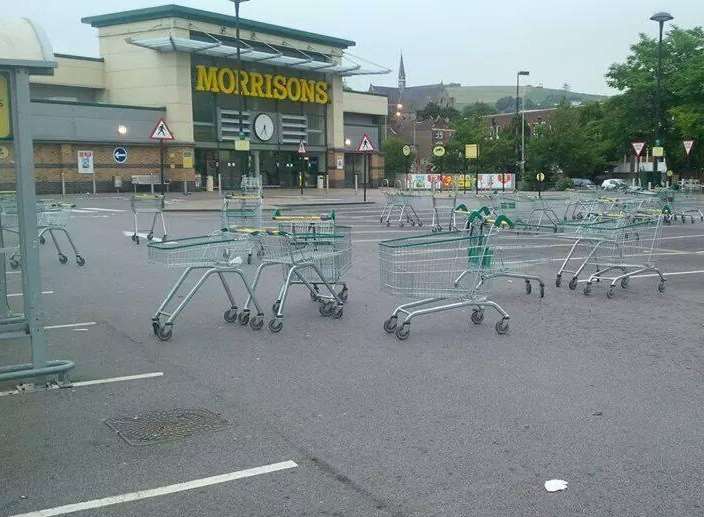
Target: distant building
501	122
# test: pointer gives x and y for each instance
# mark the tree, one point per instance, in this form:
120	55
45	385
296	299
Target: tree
395	162
478	109
682	94
433	111
506	104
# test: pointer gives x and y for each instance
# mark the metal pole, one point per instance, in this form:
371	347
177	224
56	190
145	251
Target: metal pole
658	121
161	166
63	186
93	177
26	210
523	133
366	174
518	151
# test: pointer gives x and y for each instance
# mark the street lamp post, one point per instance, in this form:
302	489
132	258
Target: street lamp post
661	18
519	150
239	75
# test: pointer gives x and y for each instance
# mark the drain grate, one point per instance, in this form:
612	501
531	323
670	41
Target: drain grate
165	425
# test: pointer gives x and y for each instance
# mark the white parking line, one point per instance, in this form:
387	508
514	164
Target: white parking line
22	294
164	490
675	273
93	382
117	379
71	325
103	209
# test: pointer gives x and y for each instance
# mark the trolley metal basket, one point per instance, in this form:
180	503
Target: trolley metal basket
219	254
402	202
624	245
318	260
441	271
148	204
444	205
242	211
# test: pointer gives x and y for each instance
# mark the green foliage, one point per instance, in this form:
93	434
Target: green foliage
506	104
433	111
563	183
395	163
478	109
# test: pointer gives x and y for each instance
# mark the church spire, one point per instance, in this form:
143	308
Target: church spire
401	75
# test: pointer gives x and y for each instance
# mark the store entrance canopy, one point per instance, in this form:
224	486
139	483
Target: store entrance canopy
348	65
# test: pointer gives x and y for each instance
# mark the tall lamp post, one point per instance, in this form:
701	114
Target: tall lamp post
239	75
661	18
519	149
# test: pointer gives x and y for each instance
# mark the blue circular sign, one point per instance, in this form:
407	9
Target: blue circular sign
120	155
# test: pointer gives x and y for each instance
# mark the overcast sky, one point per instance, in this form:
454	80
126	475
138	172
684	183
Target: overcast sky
473	42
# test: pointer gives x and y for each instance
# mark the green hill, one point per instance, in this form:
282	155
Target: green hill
544	97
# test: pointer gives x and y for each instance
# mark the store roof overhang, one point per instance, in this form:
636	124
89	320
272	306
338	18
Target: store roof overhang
348	65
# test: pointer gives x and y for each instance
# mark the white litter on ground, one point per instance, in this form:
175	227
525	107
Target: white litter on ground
555	485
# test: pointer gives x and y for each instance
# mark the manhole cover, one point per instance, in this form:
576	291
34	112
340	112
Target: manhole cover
165	425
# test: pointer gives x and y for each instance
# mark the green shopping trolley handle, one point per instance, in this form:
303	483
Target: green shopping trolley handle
147	196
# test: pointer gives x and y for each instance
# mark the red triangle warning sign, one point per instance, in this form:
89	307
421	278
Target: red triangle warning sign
365	146
301	148
638	147
161	131
688	144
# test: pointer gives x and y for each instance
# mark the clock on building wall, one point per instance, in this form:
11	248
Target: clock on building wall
264	127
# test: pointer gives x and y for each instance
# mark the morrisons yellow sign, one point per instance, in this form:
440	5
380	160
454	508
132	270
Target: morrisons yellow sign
5	126
253	84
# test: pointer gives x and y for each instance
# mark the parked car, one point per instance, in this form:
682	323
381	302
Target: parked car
583	183
613	184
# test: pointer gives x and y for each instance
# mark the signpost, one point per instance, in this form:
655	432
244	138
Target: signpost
119	154
688	144
439	151
540	177
162	133
638	150
471	152
365	146
406	150
302	156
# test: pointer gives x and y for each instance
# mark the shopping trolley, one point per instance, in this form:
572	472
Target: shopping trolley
148	204
400	201
219	254
242	211
442	272
684	206
444	204
52	219
617	249
251	185
317	259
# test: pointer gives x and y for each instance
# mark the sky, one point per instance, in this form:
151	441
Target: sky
472	42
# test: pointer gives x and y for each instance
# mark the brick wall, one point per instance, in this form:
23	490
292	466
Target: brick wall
53	159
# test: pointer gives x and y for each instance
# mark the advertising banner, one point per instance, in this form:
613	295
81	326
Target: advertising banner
85	162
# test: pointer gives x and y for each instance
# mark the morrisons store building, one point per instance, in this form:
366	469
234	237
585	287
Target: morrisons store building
181	64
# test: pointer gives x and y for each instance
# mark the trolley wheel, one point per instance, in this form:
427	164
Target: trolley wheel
135	238
400	225
163	238
14	263
611	292
542	290
150	236
390	324
388	223
625	281
80	260
413	223
344	294
275	325
165	332
63	258
403	331
420	223
661	286
588	288
155	326
477	316
230	315
275	306
314	295
337	312
573	283
257	323
243	318
42	240
326	308
501	326
558	280
529	288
